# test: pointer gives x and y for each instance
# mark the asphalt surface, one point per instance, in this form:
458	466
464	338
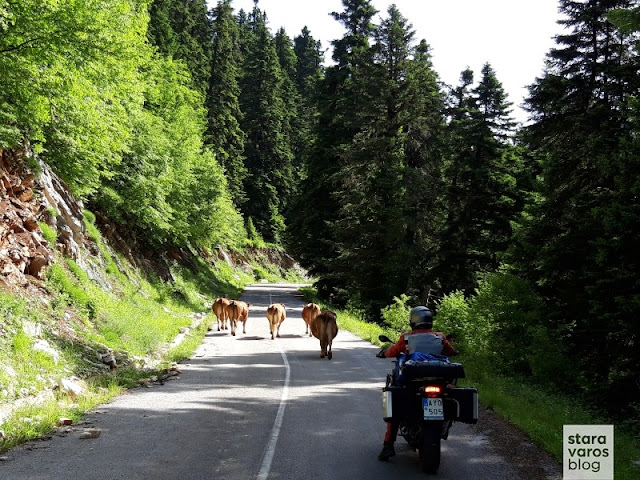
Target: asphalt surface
248	407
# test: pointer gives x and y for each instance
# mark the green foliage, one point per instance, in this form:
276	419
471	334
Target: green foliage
453	318
480	197
182	30
359	218
253	236
505	314
49	234
576	243
223	102
267	124
70	73
396	315
168	185
503	328
90	224
69	288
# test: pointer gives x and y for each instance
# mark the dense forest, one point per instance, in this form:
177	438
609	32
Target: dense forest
194	126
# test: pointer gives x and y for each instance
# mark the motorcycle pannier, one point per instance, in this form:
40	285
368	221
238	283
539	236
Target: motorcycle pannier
396	403
467	398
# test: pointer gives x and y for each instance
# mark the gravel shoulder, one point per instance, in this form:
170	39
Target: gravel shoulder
531	461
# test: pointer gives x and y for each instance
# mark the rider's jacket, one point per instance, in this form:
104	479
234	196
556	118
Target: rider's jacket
423	340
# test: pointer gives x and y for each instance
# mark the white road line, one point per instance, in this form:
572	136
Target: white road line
277	424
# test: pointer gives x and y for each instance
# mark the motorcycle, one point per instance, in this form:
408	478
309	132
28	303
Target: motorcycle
422	398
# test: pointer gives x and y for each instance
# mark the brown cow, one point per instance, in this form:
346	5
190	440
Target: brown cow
219	308
276	314
238	312
325	328
309	312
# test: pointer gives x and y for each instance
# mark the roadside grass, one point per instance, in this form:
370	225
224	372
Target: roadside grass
193	339
38	420
538	412
135	314
541	415
140	321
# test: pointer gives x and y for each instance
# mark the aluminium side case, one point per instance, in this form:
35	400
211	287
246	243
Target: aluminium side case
466	401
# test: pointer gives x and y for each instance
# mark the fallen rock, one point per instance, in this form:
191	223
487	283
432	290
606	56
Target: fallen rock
108	358
43	346
90	433
71	386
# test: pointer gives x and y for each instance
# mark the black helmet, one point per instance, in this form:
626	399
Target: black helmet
420	317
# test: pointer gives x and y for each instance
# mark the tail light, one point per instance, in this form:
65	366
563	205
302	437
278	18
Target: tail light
432	391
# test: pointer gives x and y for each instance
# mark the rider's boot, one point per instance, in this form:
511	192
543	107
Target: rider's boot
387	451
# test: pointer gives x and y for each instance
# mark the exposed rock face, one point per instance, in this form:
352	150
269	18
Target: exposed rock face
26	199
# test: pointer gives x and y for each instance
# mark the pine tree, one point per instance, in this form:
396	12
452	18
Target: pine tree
372	225
223	101
182	30
340	97
578	244
292	106
308	71
307	75
480	174
268	148
425	142
160	31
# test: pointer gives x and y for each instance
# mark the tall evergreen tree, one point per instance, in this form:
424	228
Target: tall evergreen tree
266	123
578	244
182	30
292	104
372	225
309	57
223	101
480	174
425	142
307	75
161	32
342	96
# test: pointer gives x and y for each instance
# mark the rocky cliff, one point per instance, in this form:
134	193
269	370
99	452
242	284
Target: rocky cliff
27	198
32	196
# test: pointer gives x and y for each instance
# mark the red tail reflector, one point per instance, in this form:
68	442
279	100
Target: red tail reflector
432	390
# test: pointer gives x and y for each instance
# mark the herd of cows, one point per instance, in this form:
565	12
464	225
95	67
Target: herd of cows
319	323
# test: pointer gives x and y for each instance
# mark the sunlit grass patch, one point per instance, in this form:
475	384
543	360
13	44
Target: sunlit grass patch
48	233
40	417
191	342
132	312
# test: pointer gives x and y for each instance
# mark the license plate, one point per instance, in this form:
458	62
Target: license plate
433	408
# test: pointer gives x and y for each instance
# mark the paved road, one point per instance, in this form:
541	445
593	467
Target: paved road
248	407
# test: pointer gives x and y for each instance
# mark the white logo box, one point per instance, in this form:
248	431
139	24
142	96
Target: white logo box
587	452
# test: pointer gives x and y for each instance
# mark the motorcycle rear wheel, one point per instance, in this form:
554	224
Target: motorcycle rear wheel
430	451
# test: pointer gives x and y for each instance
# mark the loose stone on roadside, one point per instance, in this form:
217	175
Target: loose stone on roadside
90	433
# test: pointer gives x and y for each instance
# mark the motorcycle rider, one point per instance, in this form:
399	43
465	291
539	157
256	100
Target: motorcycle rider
421	338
